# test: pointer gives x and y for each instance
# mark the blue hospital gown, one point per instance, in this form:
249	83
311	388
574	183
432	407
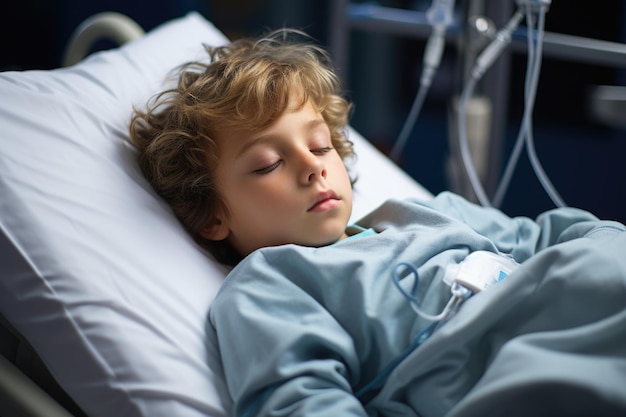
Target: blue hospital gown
296	331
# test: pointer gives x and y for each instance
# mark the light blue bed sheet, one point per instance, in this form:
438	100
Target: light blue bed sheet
299	330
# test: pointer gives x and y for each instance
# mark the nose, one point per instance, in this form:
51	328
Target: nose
313	168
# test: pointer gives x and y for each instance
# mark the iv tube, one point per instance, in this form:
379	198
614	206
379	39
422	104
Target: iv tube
440	16
530	92
483	62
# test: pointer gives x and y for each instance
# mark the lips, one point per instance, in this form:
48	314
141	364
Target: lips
324	201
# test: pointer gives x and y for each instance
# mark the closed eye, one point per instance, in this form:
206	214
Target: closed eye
267	169
321	151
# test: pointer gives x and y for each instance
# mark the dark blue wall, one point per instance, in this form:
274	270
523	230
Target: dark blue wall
33	33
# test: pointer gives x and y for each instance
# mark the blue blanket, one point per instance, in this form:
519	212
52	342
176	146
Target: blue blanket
298	331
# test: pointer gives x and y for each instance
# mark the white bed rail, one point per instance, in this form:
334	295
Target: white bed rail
107	25
21	396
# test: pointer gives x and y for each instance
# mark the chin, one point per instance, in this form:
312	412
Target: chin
330	240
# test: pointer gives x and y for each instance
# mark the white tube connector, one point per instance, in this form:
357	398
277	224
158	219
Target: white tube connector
503	38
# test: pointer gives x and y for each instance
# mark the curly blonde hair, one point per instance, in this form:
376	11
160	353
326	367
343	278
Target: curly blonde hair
248	81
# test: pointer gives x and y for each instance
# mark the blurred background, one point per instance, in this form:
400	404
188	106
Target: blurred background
582	152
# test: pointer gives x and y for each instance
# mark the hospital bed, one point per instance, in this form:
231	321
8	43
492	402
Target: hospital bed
103	296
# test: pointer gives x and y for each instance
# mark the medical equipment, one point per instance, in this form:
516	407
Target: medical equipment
476	273
458	294
503	38
98	278
491	108
480	270
535	47
439	15
483	62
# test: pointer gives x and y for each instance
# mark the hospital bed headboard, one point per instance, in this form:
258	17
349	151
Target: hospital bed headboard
98	277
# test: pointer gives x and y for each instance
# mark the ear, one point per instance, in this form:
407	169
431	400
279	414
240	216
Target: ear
217	230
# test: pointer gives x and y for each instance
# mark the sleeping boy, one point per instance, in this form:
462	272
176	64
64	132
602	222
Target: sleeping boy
319	317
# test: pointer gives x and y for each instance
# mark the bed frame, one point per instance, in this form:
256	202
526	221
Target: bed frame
27	389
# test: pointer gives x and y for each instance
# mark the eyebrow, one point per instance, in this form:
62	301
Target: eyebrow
310	125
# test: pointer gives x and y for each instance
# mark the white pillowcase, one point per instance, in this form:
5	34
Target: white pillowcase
96	272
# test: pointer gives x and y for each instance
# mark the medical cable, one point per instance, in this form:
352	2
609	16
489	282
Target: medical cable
519	141
370	389
459	292
439	15
458	295
530	147
483	63
477	272
525	135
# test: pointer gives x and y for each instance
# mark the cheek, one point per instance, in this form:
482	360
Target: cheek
269	197
260	214
340	170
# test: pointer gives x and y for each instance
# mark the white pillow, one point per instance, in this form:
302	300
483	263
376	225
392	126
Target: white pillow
96	272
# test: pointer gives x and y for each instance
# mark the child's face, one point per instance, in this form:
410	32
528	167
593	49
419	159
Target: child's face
284	184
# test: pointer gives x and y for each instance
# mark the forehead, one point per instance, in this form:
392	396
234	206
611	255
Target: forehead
297	117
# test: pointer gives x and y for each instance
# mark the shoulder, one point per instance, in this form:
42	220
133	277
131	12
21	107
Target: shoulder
309	268
407	213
